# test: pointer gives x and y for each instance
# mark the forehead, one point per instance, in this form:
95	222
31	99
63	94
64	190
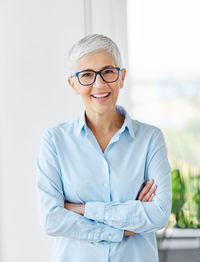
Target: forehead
95	61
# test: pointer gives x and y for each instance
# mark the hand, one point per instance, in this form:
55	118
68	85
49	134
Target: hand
146	195
128	233
78	208
148	192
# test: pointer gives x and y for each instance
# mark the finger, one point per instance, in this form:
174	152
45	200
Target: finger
145	189
148	195
151	197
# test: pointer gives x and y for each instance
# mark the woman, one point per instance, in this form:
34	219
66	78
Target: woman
91	170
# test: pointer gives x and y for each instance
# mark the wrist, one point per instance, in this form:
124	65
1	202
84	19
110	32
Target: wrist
82	209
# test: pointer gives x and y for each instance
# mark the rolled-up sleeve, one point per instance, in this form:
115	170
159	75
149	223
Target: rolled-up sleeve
55	219
134	215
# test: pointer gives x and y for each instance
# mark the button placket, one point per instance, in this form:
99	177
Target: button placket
106	181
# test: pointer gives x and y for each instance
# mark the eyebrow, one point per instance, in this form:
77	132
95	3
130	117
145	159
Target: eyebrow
107	66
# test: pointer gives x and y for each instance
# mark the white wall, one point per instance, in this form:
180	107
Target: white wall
35	36
110	18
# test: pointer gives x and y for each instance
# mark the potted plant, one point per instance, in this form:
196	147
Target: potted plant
181	238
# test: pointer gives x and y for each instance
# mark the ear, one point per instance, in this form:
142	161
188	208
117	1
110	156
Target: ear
71	82
123	75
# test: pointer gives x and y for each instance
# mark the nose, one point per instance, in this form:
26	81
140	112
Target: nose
99	82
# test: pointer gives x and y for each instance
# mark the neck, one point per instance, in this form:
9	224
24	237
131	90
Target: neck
104	123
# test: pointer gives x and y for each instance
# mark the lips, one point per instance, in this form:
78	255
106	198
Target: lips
103	98
101	95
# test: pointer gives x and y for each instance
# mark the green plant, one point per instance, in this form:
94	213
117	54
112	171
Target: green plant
186	199
178	196
196	200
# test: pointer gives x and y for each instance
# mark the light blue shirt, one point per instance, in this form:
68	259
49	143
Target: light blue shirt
72	167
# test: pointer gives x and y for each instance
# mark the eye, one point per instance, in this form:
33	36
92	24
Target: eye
86	74
108	71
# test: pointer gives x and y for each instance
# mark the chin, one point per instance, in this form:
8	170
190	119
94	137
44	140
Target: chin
103	109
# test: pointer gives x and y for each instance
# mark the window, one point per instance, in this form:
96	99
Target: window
164	69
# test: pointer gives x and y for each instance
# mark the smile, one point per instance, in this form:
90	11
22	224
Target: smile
101	97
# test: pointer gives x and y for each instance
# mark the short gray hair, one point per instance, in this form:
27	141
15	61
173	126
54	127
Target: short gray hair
89	44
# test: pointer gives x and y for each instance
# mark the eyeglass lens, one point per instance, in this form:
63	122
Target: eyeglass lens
108	75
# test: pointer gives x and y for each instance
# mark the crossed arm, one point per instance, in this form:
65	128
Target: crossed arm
145	195
99	221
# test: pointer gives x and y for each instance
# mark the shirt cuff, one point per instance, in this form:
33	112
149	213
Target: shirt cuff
95	211
113	234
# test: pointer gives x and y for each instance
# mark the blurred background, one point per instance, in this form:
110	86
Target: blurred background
159	41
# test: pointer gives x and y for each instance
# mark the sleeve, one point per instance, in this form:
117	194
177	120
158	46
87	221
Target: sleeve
56	220
134	215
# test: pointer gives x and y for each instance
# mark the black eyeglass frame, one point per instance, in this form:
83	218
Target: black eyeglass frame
97	73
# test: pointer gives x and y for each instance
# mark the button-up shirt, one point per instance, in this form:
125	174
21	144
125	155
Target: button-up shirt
71	166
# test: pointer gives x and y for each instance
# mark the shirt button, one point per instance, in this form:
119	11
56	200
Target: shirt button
110	237
105	163
105	184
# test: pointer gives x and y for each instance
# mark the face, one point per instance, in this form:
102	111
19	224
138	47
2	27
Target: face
97	61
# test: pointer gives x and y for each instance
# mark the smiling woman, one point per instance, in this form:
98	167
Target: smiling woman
98	82
97	175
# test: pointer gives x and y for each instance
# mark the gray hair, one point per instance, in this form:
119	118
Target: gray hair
89	44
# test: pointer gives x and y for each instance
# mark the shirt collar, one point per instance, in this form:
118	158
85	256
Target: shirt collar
121	110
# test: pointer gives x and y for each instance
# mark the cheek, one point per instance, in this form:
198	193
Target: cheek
83	91
116	89
117	93
85	94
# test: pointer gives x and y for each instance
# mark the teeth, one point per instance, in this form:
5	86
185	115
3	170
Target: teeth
101	95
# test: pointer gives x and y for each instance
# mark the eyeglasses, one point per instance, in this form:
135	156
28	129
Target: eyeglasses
88	77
